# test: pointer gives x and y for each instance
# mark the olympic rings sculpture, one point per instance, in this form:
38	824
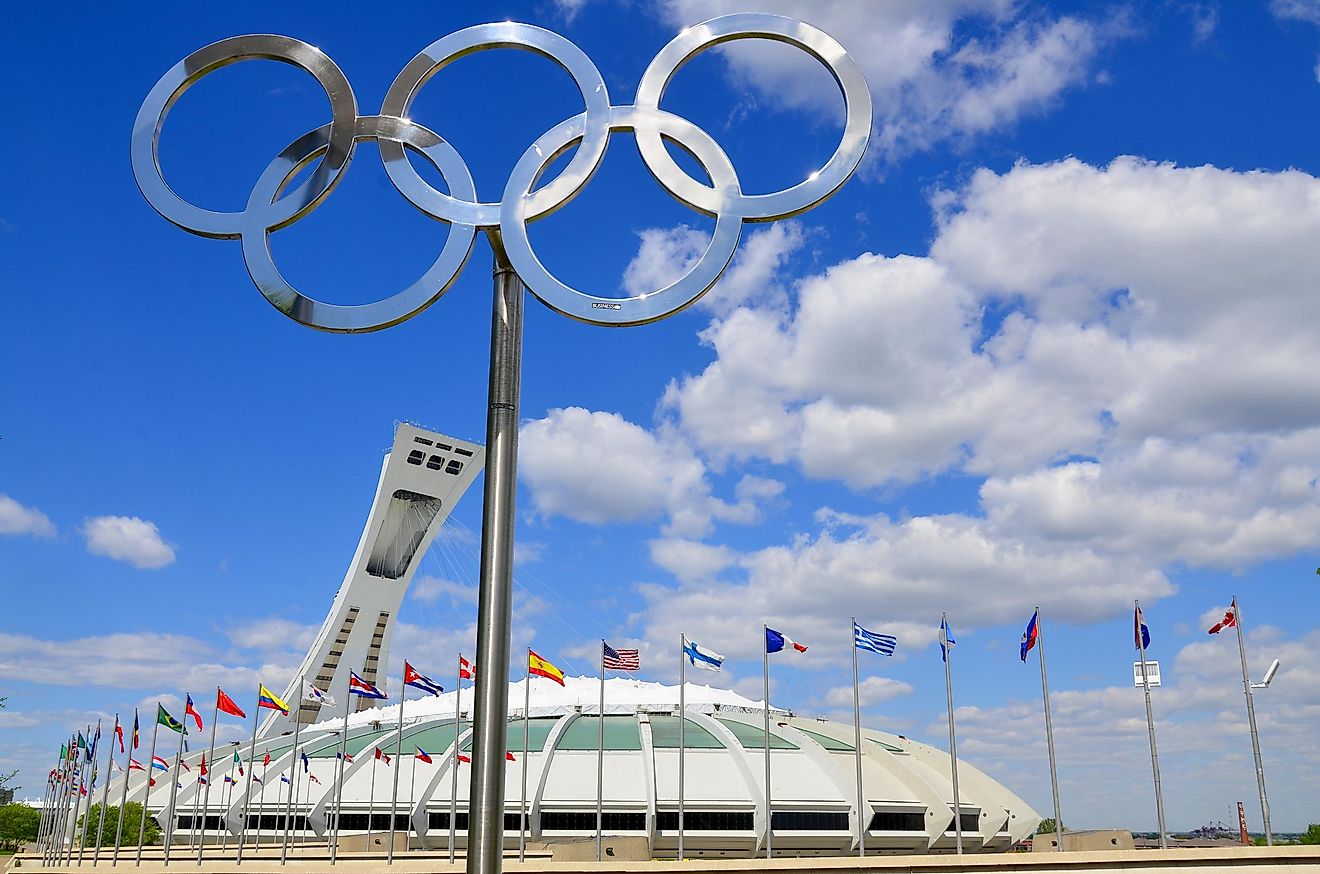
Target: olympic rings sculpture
271	207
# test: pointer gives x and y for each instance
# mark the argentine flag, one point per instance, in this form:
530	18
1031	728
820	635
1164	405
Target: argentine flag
699	657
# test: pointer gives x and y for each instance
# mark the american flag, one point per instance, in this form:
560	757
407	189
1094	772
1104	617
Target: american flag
621	659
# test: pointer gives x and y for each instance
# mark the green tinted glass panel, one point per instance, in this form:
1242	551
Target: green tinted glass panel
537	731
892	749
752	737
832	744
433	739
358	740
664	735
621	733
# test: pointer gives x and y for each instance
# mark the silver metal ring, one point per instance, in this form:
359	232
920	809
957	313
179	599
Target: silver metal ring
183	75
396	307
780	204
436	56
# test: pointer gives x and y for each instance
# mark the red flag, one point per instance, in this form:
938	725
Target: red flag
463	758
312	777
266	761
203	764
465	669
189	710
225	704
382	756
509	756
135	765
119	733
1229	620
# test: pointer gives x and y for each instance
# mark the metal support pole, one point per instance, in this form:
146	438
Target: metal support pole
174	790
522	796
1150	729
339	772
151	766
453	764
247	787
105	791
293	769
123	798
600	754
206	793
398	763
1251	719
91	787
953	738
862	819
1049	733
765	687
490	709
682	722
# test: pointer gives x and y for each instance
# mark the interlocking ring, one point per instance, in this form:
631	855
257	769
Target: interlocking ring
270	207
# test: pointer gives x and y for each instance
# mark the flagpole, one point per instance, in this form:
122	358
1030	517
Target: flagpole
206	793
224	829
862	819
64	852
682	721
48	810
765	687
247	786
105	791
61	828
453	765
600	754
339	781
87	811
197	797
261	803
1251	718
45	809
522	802
174	790
371	798
1150	728
394	793
1049	734
151	766
72	828
288	807
953	740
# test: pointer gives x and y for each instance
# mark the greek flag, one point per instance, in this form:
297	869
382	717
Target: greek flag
879	643
700	657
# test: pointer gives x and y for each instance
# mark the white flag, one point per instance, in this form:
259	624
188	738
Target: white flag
311	693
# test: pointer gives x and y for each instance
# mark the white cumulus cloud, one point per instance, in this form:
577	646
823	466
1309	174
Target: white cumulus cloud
128	539
18	519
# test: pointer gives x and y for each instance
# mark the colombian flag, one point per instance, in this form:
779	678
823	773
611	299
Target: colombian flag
539	667
271	701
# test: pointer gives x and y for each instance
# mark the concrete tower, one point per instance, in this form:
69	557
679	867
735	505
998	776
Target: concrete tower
421	480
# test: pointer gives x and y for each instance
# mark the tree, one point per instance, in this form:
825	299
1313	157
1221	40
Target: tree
132	822
18	825
1046	827
1312	834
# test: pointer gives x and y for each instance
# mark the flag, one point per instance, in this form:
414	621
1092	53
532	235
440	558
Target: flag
420	681
225	704
622	659
135	765
381	756
509	756
163	718
238	763
422	756
284	778
203	769
189	710
311	693
774	642
306	765
119	733
256	779
271	701
359	686
228	779
1030	636
202	781
539	667
64	752
463	758
883	644
465	669
96	739
312	777
159	763
946	639
707	660
1140	633
1229	620
265	761
137	736
184	764
347	757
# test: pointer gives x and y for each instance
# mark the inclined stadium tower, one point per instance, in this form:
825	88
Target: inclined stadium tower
907	785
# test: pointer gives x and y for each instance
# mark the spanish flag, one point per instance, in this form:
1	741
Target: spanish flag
539	667
270	700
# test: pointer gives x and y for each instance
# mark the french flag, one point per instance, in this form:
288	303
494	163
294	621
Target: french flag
775	642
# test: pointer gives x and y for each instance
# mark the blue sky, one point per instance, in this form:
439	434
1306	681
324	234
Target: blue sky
1052	345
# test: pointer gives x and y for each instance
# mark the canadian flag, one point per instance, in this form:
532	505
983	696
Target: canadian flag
1229	620
382	756
465	669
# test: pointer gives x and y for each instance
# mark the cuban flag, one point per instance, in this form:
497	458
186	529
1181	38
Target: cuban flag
420	681
422	756
700	657
359	686
1030	636
776	642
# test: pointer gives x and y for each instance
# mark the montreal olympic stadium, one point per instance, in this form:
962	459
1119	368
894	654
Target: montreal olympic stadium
907	786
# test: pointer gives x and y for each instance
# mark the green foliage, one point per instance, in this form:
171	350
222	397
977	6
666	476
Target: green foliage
1046	827
132	822
18	825
1312	834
